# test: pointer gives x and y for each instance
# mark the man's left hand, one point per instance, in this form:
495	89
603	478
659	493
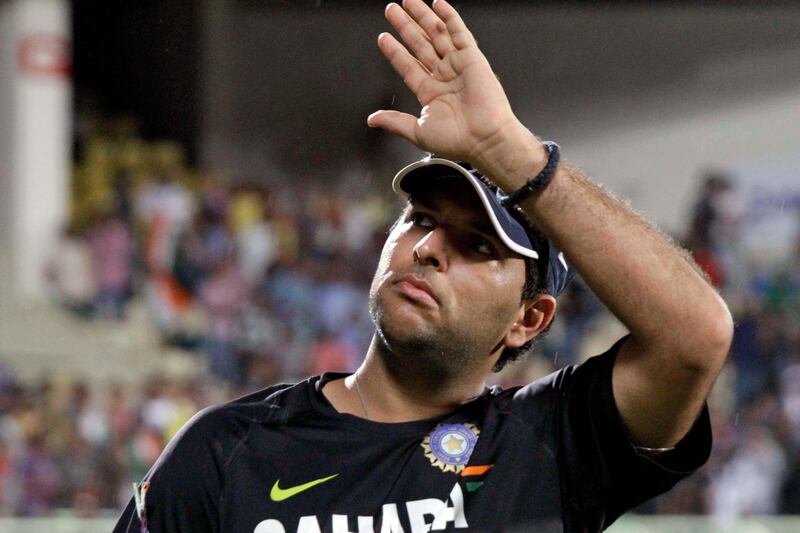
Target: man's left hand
465	111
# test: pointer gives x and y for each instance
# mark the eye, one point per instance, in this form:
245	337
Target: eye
422	220
481	246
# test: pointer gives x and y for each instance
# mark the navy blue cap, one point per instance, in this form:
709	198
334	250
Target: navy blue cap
508	222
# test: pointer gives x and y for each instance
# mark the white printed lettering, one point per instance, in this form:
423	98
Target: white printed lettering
365	524
340	524
453	514
430	514
309	524
419	509
390	520
269	526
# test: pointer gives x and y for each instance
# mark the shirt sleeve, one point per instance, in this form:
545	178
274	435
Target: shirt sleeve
185	484
603	474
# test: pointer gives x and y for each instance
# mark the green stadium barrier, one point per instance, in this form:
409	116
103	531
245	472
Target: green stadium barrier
62	523
703	524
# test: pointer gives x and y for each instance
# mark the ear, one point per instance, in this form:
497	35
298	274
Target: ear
533	317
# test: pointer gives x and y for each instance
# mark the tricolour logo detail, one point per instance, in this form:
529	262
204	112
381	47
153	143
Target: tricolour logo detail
449	446
278	494
475	473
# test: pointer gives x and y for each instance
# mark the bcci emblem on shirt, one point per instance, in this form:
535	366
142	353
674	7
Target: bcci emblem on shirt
449	446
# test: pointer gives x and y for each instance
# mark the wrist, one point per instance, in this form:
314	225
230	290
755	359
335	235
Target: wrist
540	181
512	158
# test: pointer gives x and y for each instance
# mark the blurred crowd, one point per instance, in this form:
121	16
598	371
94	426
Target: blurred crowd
755	464
68	445
262	282
269	283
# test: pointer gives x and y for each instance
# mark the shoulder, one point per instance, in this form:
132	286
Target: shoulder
186	485
217	430
200	452
555	385
253	407
262	405
542	403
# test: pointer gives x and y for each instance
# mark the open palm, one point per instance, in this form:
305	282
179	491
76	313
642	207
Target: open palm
464	107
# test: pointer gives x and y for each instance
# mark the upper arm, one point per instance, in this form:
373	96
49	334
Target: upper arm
660	395
600	463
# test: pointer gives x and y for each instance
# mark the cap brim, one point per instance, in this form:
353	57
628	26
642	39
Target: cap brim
432	167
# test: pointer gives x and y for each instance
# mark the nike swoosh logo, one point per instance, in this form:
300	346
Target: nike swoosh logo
278	494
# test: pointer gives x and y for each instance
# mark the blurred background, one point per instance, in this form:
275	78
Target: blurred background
192	206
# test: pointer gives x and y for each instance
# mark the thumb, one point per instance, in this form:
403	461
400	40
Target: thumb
400	124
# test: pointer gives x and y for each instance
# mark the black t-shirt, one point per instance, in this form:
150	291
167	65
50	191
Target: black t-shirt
551	456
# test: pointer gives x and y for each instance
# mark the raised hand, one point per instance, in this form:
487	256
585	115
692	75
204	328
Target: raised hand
464	108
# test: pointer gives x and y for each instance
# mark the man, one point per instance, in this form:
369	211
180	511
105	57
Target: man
413	441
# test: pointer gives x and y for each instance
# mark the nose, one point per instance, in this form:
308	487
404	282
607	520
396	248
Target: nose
431	250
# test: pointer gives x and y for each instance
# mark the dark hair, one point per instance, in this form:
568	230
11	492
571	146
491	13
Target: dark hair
534	284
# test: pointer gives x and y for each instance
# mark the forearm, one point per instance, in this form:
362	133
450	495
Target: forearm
643	278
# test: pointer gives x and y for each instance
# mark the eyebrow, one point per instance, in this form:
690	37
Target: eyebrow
480	226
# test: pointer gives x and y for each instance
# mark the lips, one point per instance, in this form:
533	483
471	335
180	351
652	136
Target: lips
417	289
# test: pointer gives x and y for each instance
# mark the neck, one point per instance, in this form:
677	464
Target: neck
396	392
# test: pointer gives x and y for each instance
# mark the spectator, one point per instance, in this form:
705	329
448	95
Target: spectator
712	228
39	477
330	354
111	250
256	242
69	272
750	483
223	296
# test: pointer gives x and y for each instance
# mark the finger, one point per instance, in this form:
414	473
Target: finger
431	24
400	124
459	33
416	39
407	66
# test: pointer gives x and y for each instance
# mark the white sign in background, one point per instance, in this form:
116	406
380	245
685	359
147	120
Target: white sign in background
769	193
